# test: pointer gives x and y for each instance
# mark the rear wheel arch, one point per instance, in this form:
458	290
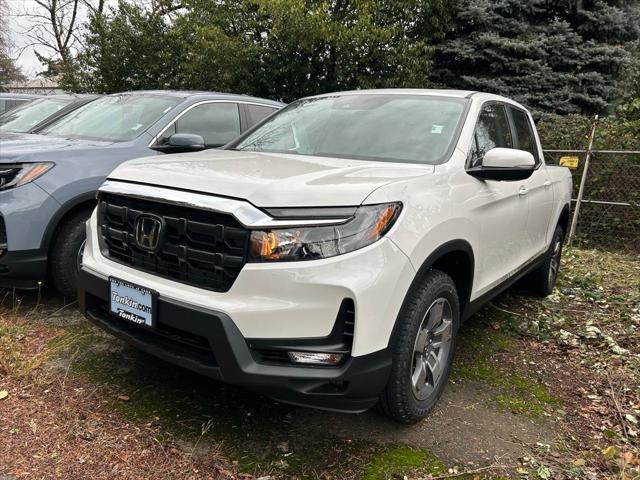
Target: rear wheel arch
563	220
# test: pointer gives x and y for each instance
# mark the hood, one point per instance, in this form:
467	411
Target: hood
14	145
270	180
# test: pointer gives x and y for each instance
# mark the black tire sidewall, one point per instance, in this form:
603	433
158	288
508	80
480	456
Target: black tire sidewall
548	286
64	253
402	405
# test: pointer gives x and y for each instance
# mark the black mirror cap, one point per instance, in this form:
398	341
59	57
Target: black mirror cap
181	142
501	174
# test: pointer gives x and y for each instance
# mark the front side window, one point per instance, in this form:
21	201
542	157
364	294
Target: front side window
524	132
382	127
492	130
24	117
217	123
115	117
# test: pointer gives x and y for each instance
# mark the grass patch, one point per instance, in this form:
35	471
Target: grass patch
479	359
252	430
402	460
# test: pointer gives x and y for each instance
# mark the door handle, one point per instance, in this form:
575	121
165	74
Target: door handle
523	190
547	183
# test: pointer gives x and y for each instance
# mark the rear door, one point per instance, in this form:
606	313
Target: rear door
254	114
538	186
499	208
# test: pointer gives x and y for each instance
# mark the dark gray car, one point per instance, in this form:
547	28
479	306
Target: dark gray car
34	116
10	101
48	180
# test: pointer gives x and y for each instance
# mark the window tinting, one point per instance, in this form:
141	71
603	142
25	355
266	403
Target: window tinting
492	131
216	123
257	113
523	132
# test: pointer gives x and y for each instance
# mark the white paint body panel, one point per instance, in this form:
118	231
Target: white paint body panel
505	228
288	300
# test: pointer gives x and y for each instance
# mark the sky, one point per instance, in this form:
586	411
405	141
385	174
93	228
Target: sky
18	24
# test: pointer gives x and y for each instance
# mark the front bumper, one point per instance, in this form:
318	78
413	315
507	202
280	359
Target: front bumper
292	300
208	342
24	269
26	212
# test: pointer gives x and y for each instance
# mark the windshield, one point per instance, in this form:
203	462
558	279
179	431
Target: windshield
385	127
23	118
116	117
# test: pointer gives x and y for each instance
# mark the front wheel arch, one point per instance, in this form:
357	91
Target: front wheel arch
456	259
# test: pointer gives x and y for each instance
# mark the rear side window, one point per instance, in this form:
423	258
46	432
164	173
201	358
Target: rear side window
524	132
492	130
217	123
257	113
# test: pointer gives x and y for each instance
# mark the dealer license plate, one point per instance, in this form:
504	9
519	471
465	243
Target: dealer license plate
132	302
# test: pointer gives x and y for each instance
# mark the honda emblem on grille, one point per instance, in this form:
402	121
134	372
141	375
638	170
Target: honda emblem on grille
149	229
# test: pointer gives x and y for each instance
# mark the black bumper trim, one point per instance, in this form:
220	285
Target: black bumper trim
353	386
23	269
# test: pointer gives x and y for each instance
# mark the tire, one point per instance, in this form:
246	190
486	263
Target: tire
542	280
413	387
65	253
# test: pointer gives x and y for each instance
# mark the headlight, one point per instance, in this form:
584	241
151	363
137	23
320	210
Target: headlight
368	224
16	174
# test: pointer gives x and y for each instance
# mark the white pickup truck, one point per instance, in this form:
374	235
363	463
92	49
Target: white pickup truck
328	256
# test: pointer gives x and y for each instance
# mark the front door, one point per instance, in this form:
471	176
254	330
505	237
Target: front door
499	208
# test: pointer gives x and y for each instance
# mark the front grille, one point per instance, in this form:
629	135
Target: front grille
201	248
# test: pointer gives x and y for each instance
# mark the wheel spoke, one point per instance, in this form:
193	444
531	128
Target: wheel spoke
419	376
435	314
442	335
421	341
435	367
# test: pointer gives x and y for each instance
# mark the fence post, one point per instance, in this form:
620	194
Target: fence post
583	180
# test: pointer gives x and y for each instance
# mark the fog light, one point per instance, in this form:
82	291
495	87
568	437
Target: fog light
312	358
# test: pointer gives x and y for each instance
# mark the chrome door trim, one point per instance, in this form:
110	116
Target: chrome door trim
177	117
246	213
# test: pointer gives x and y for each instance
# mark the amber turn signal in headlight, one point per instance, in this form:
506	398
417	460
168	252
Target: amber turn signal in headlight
14	175
368	224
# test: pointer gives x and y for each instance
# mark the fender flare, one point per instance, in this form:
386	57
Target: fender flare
448	247
64	209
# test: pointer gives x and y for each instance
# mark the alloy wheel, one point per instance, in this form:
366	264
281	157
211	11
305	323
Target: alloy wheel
431	348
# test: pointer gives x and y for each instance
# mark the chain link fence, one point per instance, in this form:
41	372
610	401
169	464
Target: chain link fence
609	207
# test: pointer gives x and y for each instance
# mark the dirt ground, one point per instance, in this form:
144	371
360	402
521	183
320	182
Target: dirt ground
541	389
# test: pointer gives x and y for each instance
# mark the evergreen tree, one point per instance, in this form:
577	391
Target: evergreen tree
281	49
562	56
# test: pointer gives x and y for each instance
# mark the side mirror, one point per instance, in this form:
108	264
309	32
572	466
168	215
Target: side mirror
504	164
181	142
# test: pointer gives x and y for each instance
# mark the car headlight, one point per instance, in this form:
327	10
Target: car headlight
368	224
16	174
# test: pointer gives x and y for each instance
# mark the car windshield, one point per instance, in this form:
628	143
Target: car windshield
384	127
116	117
23	118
